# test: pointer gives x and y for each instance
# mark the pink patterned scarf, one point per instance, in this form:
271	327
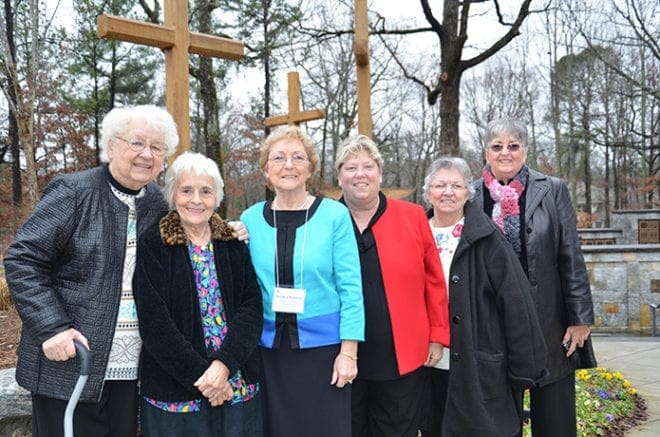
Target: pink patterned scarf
506	207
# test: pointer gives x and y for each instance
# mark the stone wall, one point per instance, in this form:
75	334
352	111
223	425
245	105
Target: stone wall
624	280
15	406
628	221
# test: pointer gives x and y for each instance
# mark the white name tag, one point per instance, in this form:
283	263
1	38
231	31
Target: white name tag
289	300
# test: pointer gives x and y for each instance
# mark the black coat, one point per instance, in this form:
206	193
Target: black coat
64	269
174	355
556	268
497	346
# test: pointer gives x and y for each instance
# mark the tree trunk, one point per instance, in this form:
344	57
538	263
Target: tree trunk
449	114
12	129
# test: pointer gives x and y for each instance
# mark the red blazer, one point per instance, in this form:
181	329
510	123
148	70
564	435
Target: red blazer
414	282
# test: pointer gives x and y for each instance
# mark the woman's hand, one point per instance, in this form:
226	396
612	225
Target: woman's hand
345	369
60	346
575	336
240	230
435	354
214	383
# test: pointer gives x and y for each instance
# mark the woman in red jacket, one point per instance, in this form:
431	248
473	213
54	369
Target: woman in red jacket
404	297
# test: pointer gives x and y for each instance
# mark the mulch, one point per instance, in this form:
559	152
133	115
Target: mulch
10	334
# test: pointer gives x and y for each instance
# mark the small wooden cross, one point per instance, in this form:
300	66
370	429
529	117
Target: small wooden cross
177	41
295	115
361	50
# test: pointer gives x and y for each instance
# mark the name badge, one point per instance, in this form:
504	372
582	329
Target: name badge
289	300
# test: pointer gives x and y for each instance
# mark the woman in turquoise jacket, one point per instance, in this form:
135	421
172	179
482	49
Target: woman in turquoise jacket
305	255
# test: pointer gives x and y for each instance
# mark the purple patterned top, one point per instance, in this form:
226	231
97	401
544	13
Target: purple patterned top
214	324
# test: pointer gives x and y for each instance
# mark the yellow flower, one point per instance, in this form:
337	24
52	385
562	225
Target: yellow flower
632	391
582	374
618	375
626	383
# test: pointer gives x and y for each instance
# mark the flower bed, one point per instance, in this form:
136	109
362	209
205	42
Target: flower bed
605	403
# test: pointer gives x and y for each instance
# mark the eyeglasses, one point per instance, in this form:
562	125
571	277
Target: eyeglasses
298	159
513	147
442	186
138	146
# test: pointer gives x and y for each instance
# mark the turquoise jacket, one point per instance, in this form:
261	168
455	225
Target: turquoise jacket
331	275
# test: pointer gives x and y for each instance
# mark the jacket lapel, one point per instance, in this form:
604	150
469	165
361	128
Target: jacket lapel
537	187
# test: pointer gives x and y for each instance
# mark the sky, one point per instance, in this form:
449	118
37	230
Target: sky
400	13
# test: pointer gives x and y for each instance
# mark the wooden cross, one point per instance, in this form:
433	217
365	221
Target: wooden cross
177	41
295	115
361	50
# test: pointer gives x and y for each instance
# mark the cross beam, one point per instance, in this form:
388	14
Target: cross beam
177	41
295	115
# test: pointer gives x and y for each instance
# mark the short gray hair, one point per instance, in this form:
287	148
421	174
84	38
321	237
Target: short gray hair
449	162
192	163
154	117
506	126
352	145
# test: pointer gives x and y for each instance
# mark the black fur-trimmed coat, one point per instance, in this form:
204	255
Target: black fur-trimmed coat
174	355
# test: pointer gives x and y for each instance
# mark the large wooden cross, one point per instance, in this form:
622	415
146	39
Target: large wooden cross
361	50
295	115
177	41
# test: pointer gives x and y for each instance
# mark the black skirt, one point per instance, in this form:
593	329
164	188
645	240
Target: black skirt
298	397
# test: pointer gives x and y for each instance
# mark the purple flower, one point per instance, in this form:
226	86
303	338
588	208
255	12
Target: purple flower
610	418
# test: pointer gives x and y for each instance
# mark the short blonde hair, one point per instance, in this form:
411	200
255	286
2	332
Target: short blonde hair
294	133
352	145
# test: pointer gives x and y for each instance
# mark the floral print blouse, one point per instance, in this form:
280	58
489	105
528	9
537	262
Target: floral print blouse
214	324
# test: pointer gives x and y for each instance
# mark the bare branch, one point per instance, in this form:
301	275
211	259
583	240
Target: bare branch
406	74
499	44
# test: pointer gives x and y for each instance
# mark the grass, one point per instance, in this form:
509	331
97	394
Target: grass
605	403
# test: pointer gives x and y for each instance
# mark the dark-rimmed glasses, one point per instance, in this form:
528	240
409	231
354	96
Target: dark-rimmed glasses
513	147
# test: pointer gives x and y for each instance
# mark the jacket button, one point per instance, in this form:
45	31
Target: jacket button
533	282
529	230
455	279
455	356
456	320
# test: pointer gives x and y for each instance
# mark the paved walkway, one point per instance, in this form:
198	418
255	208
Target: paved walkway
638	358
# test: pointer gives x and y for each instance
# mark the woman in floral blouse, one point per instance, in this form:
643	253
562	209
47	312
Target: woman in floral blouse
200	314
496	343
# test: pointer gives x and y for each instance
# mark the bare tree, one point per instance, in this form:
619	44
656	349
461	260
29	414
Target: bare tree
452	34
20	91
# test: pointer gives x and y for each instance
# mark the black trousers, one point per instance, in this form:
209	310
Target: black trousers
553	409
434	402
388	408
114	416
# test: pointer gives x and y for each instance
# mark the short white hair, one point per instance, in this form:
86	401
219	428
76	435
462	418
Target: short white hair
154	117
192	163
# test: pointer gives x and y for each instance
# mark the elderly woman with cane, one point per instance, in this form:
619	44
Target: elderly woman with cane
70	270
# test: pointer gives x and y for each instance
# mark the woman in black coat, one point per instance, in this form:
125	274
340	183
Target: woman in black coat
536	215
497	348
200	313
